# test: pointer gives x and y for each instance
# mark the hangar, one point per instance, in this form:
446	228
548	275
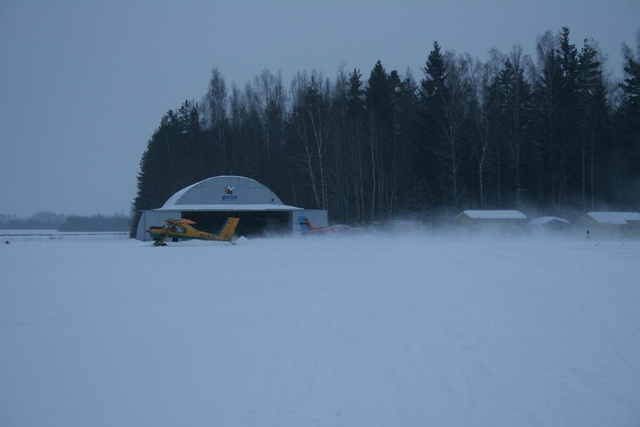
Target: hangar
211	201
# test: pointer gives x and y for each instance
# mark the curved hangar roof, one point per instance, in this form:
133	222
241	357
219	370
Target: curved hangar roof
226	193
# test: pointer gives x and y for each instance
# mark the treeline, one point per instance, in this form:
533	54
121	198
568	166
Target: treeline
53	221
38	221
100	223
552	133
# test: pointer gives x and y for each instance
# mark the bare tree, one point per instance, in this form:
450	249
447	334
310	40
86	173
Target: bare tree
216	118
310	119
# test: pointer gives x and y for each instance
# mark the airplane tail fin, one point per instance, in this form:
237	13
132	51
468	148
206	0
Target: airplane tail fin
227	230
305	224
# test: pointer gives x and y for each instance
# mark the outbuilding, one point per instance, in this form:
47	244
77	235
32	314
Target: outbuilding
612	223
209	202
505	220
551	223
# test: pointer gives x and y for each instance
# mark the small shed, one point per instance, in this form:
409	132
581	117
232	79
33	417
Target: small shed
503	220
552	223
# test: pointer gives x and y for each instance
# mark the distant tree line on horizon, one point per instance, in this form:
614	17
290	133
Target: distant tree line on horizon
553	134
71	223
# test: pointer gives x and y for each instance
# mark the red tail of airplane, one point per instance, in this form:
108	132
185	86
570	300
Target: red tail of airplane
305	224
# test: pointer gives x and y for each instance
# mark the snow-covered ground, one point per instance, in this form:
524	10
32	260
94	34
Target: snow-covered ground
420	330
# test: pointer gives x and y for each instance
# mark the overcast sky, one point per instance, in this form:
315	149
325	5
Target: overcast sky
84	84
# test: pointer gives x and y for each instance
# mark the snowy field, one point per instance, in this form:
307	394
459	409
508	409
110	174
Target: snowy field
101	330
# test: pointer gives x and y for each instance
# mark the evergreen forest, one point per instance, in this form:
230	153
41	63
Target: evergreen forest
550	133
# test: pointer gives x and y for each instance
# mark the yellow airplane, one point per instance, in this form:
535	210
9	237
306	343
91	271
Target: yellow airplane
182	229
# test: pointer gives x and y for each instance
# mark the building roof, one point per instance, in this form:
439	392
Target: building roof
548	220
615	218
226	193
230	207
493	214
